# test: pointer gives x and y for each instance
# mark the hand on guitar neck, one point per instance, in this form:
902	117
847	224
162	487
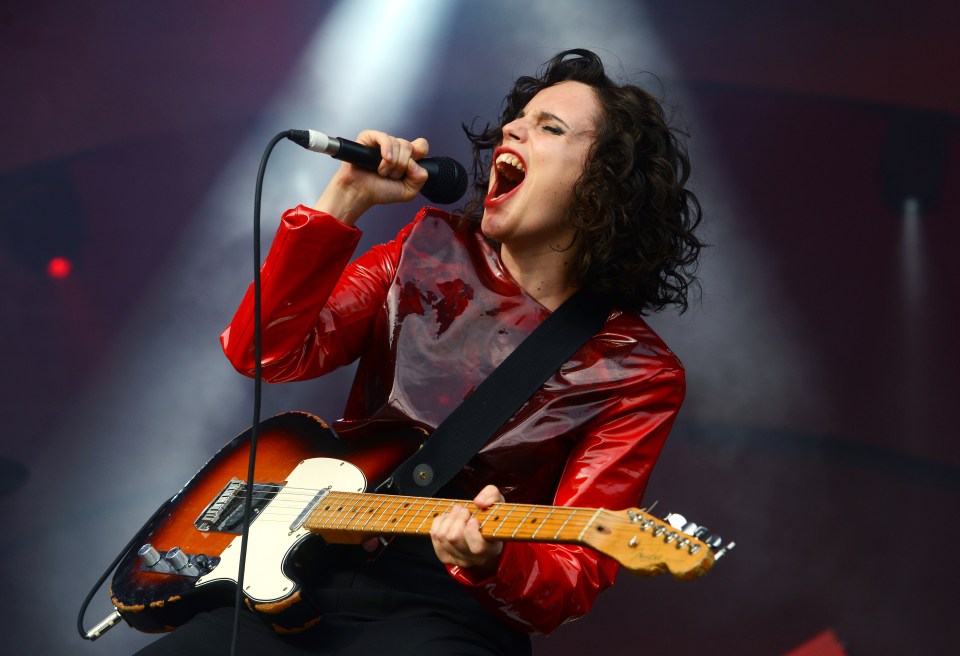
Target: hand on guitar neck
457	539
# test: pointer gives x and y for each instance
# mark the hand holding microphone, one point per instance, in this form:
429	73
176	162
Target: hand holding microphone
395	159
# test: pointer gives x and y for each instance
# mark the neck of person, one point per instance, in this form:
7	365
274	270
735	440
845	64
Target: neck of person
543	273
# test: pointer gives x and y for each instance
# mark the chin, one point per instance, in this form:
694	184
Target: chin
491	228
487	224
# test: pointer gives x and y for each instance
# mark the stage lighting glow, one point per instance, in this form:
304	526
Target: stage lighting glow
911	253
59	267
364	67
360	73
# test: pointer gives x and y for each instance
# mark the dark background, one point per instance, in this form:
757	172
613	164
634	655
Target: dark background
818	430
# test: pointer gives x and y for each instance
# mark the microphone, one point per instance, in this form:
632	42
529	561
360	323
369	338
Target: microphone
446	182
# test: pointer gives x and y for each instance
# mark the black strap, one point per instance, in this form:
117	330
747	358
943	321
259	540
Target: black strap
471	425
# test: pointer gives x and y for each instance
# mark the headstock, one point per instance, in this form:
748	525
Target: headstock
649	546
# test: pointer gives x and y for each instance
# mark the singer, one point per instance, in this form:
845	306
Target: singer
581	185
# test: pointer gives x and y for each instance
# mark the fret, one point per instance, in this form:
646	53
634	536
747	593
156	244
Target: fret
430	514
313	517
408	504
543	523
570	514
373	512
325	515
519	525
387	516
317	515
384	513
487	514
390	521
342	508
511	507
322	512
589	523
358	505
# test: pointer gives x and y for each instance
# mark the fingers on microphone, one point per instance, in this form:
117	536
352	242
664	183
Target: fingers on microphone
388	146
395	157
420	147
420	150
398	156
378	139
416	172
402	151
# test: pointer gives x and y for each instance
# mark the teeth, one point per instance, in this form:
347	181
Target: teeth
510	165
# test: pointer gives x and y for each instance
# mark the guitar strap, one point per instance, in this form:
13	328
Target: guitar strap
474	422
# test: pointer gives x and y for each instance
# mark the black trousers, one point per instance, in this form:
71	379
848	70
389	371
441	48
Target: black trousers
403	601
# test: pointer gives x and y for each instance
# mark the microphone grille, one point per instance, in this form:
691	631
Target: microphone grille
447	182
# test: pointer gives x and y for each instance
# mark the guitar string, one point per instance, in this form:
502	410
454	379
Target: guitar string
563	521
393	514
277	509
577	519
400	499
576	526
396	503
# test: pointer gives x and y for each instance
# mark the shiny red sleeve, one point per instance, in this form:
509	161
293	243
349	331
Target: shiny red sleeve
538	587
316	309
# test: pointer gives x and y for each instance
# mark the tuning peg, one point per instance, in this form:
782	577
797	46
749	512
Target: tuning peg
702	533
721	552
679	522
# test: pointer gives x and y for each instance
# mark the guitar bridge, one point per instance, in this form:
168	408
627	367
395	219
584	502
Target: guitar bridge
225	512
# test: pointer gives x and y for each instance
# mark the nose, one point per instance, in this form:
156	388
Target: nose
515	130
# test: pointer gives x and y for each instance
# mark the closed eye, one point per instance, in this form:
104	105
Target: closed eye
552	129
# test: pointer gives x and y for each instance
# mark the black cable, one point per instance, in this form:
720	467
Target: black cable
257	385
113	566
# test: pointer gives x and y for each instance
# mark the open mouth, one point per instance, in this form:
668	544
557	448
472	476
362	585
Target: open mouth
510	173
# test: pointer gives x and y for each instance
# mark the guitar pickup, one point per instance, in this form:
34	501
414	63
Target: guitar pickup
224	514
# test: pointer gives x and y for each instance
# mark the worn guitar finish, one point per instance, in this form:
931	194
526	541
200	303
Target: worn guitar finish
310	483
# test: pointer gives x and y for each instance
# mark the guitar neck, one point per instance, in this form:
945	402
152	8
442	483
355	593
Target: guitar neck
639	542
380	514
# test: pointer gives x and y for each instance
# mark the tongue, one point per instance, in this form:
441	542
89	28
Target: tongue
505	185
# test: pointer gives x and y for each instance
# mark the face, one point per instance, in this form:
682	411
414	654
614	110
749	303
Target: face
539	160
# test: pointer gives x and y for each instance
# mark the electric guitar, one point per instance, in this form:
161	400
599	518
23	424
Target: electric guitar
310	483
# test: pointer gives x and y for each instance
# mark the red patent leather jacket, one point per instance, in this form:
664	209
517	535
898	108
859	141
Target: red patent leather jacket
430	315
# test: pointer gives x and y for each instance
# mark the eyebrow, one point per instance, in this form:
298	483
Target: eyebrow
547	115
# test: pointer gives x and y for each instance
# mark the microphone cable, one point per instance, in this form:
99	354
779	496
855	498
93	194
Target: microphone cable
446	185
257	388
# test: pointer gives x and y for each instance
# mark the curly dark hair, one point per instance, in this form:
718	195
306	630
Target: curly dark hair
633	217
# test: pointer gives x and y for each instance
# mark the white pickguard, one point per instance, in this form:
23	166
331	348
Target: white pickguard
270	537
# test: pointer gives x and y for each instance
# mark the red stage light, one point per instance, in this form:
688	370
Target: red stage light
59	268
